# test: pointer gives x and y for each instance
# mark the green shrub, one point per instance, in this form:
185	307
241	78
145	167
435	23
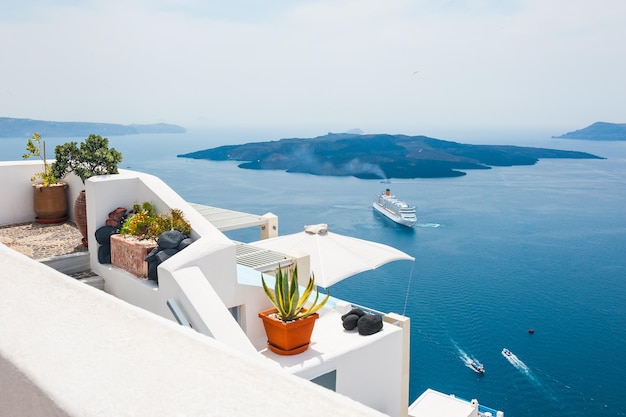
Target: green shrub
145	223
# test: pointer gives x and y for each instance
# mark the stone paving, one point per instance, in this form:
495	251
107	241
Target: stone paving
40	241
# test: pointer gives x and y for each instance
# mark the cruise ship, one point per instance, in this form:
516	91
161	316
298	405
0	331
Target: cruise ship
190	344
394	209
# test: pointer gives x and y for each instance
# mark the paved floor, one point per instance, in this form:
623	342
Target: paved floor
40	241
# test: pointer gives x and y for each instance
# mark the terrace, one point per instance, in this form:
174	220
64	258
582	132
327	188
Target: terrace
214	284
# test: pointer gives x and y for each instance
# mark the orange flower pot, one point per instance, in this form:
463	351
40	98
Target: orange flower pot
287	338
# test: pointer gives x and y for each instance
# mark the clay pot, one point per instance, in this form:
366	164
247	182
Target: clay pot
80	215
287	338
50	203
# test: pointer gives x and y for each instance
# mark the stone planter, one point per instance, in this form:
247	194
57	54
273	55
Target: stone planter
130	255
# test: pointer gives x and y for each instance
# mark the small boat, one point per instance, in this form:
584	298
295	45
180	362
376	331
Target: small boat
506	352
477	366
396	210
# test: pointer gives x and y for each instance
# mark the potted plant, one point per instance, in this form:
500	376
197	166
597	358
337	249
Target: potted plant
141	233
91	157
50	195
289	324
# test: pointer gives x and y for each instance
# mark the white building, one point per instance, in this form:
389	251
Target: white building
68	349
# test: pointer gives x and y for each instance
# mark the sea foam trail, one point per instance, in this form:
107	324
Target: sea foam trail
425	225
467	359
525	370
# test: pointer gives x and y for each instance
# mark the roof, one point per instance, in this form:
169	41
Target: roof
436	404
226	220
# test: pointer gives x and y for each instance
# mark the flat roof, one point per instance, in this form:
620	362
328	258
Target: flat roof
436	404
226	220
247	255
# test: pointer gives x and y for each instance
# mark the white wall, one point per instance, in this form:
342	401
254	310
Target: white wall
16	205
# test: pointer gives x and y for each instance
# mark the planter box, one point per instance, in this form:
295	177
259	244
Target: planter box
287	338
129	254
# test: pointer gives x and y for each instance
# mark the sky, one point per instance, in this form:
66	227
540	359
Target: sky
382	66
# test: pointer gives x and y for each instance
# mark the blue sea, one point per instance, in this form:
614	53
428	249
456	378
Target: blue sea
497	252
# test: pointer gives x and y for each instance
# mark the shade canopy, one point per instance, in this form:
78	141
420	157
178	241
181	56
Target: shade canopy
333	257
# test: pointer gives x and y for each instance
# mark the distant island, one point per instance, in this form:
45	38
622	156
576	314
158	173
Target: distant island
598	131
15	128
378	156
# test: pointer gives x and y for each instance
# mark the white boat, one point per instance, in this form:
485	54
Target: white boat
396	210
477	367
507	352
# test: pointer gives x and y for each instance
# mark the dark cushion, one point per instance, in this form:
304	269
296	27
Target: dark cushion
370	324
356	311
184	243
152	256
103	234
350	321
104	254
152	271
170	239
164	254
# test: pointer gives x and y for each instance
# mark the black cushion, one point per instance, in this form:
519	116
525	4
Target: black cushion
356	311
103	234
152	271
370	324
184	243
152	256
104	254
170	239
350	321
164	254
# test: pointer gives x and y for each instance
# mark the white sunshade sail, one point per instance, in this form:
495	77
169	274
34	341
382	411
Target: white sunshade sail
333	257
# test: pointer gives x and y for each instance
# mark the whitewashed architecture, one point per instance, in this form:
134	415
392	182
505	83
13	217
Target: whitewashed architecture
68	349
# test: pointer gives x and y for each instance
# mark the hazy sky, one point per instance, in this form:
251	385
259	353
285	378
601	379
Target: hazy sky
394	66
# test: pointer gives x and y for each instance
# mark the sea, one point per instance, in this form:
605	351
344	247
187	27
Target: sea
497	252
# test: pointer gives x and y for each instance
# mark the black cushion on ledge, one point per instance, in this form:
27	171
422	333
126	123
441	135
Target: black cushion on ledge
170	239
356	311
152	256
350	321
104	254
370	324
184	243
103	234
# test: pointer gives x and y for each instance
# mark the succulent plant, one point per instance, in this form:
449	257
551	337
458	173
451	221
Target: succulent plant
286	296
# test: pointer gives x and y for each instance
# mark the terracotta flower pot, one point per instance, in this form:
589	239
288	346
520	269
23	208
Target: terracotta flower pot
50	203
287	338
80	215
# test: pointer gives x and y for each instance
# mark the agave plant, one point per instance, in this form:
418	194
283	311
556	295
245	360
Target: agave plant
287	299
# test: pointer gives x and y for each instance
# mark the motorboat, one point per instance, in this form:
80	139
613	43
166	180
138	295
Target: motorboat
507	352
397	210
477	366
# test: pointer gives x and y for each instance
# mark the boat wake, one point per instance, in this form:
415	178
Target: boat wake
426	225
523	368
465	358
520	366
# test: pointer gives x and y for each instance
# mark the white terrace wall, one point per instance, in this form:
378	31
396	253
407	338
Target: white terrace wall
16	205
68	349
